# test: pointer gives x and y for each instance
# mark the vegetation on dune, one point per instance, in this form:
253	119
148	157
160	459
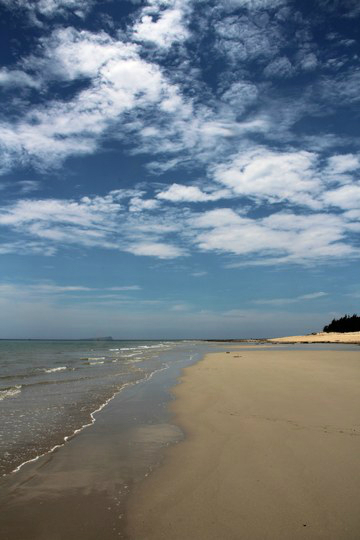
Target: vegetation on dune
344	324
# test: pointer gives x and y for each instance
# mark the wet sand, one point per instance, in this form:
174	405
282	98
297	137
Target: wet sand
271	451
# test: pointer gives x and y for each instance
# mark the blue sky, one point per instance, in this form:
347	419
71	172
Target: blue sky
178	168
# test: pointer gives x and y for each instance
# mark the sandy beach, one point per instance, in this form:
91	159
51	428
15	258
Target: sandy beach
271	451
320	337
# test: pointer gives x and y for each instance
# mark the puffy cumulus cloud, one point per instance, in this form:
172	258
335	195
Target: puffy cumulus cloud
346	197
138	204
162	28
181	193
265	175
69	53
280	238
343	163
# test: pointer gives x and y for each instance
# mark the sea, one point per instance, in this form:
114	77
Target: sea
52	390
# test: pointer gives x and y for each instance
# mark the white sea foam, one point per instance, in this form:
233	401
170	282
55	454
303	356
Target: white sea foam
157	346
96	360
53	370
10	392
92	418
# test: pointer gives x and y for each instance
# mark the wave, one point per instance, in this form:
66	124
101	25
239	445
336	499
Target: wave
53	370
10	392
159	345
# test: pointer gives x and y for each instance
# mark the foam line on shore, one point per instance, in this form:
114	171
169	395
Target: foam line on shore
92	418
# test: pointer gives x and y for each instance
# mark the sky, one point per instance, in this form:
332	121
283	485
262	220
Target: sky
178	168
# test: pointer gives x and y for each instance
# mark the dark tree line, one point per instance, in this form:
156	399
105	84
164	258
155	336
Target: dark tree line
344	324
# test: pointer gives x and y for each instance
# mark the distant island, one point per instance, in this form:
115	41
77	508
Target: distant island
344	324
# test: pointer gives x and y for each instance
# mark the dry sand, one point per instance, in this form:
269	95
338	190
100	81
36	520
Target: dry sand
272	451
321	337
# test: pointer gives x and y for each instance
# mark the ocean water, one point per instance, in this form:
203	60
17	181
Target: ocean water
50	390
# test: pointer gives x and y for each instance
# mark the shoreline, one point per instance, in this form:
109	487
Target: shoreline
80	489
270	450
91	421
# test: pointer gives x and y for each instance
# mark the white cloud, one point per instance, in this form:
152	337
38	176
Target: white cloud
343	163
282	301
121	81
271	176
253	4
27	186
12	78
309	62
162	28
346	197
241	95
52	289
279	238
247	38
102	222
180	307
181	193
342	88
129	221
49	8
279	67
155	249
138	204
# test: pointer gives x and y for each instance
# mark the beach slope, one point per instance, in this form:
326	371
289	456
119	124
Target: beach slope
271	451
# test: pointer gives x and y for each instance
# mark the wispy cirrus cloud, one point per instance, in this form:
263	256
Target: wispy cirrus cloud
291	300
91	222
281	238
52	289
